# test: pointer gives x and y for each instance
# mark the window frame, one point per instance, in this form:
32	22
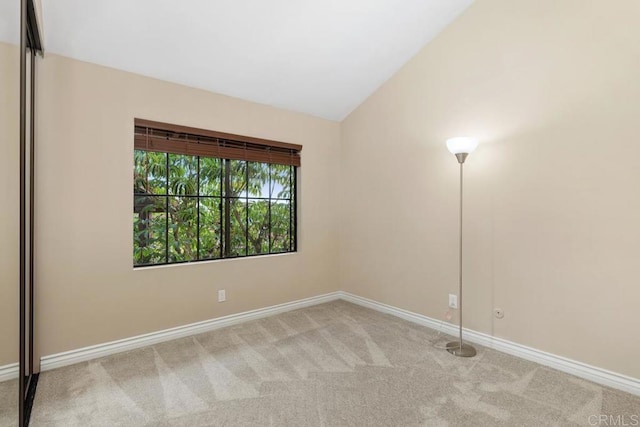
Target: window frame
224	200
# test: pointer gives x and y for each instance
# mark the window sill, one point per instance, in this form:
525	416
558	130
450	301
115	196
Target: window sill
213	261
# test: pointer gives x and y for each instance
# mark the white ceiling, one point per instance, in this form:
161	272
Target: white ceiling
321	57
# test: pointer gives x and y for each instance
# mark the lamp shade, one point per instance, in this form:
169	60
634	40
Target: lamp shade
462	144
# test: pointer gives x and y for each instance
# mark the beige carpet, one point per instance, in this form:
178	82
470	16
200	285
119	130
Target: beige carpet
335	364
8	403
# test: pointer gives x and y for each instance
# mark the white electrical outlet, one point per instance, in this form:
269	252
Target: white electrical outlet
453	301
222	295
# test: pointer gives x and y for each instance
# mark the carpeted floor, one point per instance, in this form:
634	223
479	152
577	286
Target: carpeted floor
334	364
9	403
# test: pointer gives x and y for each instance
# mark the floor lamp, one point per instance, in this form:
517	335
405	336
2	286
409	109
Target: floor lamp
461	147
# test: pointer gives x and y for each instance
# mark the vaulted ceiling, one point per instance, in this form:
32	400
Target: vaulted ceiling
317	57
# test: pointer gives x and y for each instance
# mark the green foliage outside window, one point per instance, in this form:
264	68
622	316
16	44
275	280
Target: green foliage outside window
190	208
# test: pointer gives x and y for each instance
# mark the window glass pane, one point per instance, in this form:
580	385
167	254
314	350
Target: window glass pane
280	224
149	225
183	174
210	228
259	180
238	221
237	178
210	176
183	217
281	181
258	227
149	172
260	208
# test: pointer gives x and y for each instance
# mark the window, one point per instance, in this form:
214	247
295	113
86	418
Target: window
203	195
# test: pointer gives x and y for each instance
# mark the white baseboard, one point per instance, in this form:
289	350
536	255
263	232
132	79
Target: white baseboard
100	350
8	372
579	369
573	367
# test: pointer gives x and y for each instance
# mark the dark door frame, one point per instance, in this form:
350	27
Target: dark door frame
30	44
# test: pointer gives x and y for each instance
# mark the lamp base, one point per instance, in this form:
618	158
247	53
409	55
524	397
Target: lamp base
466	350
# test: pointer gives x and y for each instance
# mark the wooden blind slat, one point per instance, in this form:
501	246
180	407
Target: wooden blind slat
195	132
163	145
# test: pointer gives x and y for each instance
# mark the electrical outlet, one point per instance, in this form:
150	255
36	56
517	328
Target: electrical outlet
453	301
498	312
222	295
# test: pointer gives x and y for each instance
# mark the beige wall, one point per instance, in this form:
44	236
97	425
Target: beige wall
552	194
9	201
88	292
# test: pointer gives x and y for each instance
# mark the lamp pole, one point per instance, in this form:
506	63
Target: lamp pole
461	147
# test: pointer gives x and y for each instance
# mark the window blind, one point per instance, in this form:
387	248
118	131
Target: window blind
175	139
